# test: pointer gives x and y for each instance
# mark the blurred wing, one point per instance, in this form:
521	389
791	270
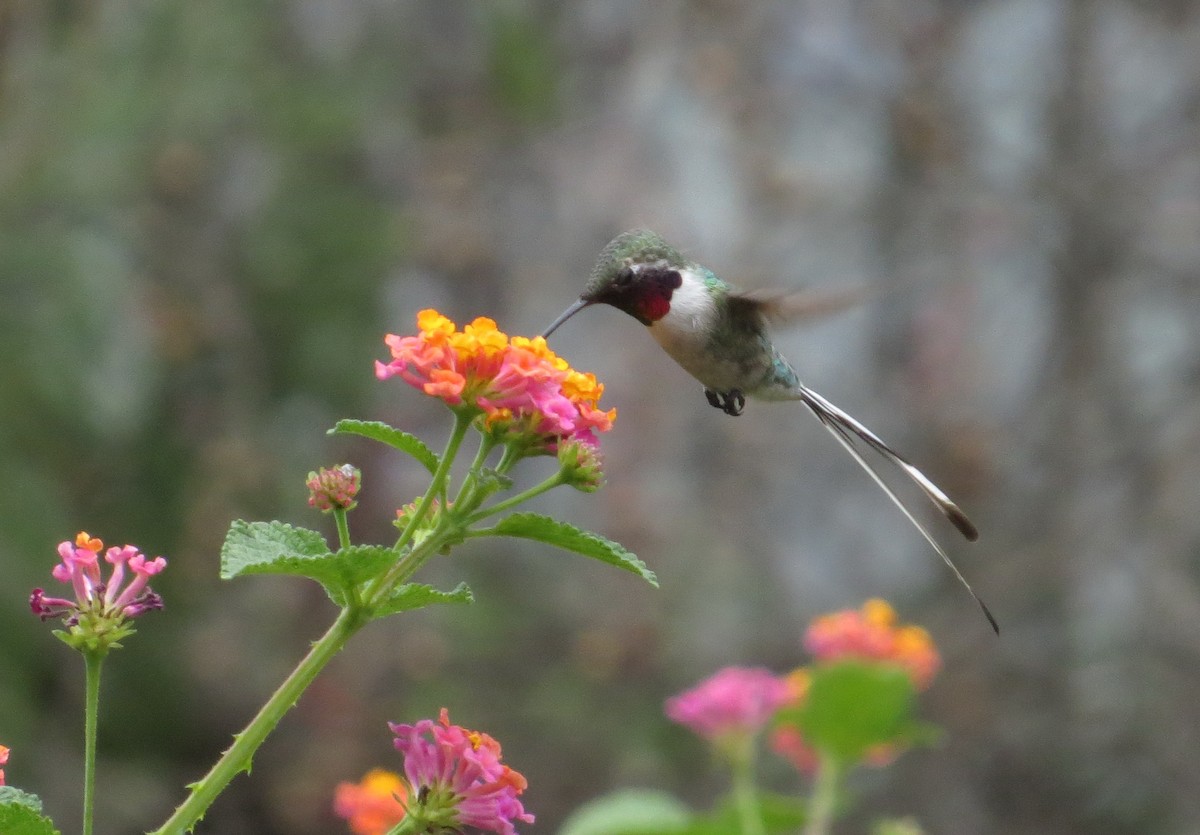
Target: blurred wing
783	306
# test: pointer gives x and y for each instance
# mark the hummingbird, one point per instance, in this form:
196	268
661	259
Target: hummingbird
718	334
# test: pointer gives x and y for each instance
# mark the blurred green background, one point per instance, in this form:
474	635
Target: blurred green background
210	214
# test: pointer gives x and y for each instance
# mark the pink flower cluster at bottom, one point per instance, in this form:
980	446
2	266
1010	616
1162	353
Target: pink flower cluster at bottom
735	700
460	771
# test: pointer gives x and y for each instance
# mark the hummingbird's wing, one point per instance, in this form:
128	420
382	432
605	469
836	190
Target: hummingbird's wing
846	429
783	306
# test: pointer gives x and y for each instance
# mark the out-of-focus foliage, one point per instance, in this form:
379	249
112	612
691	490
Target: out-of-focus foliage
210	214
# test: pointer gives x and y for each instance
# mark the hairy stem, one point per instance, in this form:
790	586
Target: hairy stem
238	756
93	661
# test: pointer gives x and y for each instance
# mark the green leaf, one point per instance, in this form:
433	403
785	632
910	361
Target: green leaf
491	481
852	706
552	532
896	826
629	812
417	595
379	431
253	547
21	814
277	548
780	814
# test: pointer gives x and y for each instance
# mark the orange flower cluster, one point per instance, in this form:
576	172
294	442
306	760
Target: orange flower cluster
516	382
373	805
872	633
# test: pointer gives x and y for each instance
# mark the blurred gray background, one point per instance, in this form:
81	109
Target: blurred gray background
211	213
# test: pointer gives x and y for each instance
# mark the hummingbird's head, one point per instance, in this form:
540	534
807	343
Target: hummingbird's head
637	272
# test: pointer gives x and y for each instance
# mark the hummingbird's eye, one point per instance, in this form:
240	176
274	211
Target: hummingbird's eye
624	277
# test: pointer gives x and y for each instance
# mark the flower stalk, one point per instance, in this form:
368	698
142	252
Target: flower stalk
376	591
93	662
518	395
824	796
237	757
745	791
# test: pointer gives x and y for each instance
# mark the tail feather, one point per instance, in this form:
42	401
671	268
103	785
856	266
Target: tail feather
845	429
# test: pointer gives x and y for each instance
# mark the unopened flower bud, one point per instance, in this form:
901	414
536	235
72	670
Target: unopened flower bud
581	463
334	487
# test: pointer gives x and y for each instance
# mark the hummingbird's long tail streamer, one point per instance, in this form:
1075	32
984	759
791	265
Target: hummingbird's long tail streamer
844	429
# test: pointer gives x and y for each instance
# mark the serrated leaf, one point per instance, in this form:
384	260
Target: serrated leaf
553	532
393	437
337	572
629	812
252	547
418	595
21	814
277	548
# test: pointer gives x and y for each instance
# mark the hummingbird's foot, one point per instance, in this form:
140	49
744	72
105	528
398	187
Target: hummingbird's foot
730	402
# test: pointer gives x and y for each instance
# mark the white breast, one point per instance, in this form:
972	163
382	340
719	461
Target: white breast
691	308
683	332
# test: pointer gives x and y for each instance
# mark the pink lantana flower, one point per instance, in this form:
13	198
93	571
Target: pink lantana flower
3	761
730	707
521	388
456	778
97	615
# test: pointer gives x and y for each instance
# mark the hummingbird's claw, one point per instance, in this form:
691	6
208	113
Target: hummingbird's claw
730	402
735	401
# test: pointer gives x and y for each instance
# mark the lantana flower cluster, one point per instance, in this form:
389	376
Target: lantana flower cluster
518	384
736	703
373	805
873	633
457	777
101	606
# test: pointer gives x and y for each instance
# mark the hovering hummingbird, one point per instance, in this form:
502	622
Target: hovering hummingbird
718	334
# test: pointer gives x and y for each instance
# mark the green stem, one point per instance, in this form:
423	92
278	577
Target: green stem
93	661
406	566
512	501
343	530
745	794
467	493
343	527
507	459
824	797
408	826
462	422
237	757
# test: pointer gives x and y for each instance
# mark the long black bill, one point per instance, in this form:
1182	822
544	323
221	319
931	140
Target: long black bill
579	305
